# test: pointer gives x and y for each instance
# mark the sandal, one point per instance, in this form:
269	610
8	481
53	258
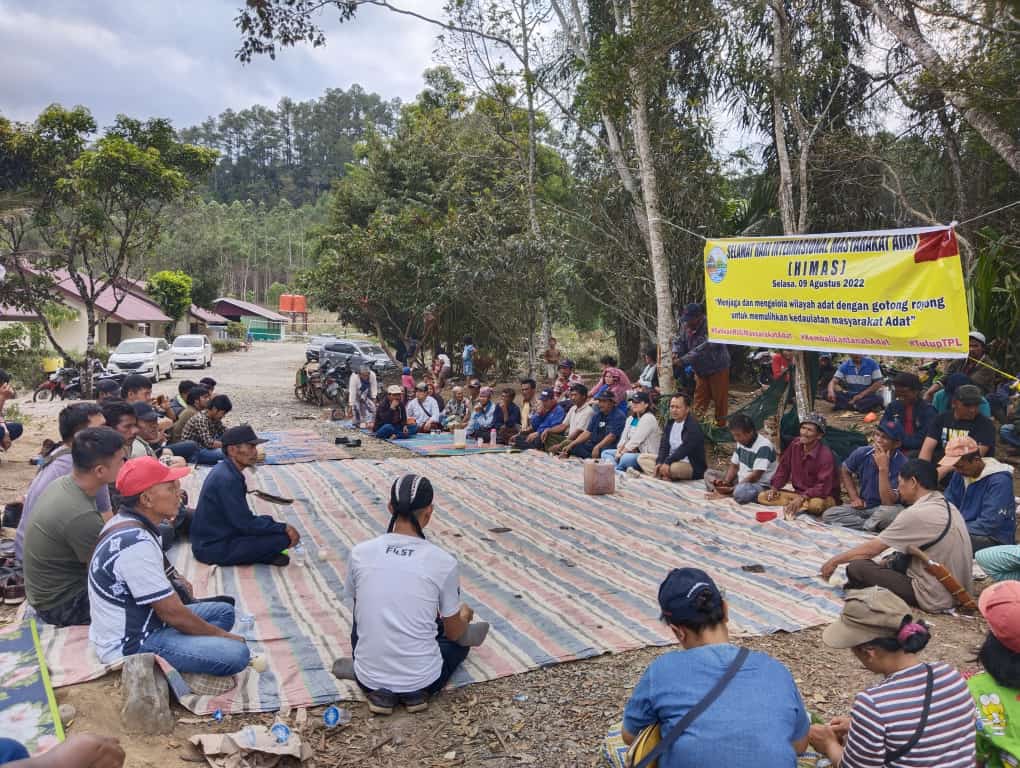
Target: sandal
14	590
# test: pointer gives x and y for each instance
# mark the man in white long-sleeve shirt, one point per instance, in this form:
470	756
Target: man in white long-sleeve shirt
425	410
362	390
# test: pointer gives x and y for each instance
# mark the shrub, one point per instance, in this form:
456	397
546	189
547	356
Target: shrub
236	330
226	345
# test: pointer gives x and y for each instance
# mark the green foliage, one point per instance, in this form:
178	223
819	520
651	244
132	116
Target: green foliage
21	361
172	291
274	292
236	330
226	345
993	297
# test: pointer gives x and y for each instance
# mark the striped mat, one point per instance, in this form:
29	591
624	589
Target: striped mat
558	574
297	446
441	444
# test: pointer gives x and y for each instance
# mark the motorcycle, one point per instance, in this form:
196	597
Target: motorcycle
761	363
322	385
62	383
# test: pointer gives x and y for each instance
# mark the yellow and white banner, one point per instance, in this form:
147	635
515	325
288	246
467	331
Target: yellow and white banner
896	292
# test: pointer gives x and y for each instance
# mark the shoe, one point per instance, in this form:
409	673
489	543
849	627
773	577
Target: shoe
381	702
281	560
631	472
341	440
343	668
415	702
474	635
354	442
13	591
209	685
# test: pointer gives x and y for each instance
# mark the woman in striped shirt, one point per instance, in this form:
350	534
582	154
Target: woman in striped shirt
920	715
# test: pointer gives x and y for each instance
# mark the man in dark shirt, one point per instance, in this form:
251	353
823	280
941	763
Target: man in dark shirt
224	530
681	453
603	431
914	414
810	467
962	420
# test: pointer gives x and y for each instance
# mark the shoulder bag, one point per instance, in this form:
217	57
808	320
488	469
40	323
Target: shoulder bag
900	561
649	745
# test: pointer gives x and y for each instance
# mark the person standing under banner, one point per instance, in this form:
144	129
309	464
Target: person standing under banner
711	363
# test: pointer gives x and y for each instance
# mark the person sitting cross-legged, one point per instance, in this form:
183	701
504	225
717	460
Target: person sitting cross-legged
751	468
391	417
603	430
760	694
920	714
870	477
810	467
206	428
681	454
410	630
65	527
641	436
483	411
455	415
982	489
224	530
424	409
506	419
928	522
135	607
964	418
72	420
855	385
548	415
911	411
197	400
574	423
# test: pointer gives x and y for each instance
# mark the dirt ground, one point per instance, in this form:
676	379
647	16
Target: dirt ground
551	717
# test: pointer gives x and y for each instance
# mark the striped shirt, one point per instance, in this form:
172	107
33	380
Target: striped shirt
759	455
885	717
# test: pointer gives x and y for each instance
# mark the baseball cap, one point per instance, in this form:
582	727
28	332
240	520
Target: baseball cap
138	475
957	447
977	336
817	419
580	388
475	383
891	429
968	394
421	386
145	412
567	363
909	380
241	435
640	397
693	310
546	394
680	594
867	614
406	371
1000	605
394	389
606	394
107	386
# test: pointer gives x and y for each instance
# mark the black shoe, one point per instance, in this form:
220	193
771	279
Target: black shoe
281	560
354	443
415	702
381	702
341	440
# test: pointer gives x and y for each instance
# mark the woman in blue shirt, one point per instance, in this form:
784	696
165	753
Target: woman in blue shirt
759	718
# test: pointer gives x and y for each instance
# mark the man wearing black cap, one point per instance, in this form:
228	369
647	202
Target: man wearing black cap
711	363
107	389
913	413
963	419
548	415
224	530
603	430
870	477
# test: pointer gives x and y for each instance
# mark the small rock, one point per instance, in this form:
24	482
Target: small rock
146	696
450	755
67	713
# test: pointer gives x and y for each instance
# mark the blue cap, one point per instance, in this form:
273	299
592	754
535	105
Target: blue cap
692	311
891	429
407	371
680	595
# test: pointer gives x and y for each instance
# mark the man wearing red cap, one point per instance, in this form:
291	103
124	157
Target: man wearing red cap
135	608
982	489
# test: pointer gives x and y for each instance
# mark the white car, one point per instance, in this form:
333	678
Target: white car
145	355
192	351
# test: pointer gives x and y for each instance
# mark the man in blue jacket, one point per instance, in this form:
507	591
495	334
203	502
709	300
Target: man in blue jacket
224	530
550	414
982	489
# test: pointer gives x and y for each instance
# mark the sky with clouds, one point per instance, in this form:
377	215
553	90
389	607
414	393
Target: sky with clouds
153	58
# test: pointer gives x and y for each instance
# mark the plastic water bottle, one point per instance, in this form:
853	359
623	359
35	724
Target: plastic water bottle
245	622
334	716
492	436
280	732
297	554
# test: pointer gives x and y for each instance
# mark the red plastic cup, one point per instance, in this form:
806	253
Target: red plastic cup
764	517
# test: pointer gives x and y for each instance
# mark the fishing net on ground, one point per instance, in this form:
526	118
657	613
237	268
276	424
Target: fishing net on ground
841	441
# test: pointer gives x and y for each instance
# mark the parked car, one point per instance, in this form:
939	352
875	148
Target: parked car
192	351
339	350
145	355
315	346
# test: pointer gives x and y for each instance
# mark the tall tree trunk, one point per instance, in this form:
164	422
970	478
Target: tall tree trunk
664	318
998	138
801	391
